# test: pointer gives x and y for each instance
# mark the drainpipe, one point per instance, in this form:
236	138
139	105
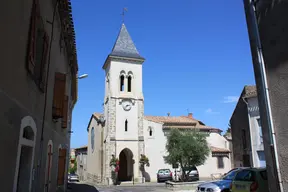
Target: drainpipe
251	139
272	133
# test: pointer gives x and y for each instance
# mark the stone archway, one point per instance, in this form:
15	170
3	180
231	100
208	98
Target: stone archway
125	165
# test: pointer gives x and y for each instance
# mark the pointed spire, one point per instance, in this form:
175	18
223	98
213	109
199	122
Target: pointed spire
124	46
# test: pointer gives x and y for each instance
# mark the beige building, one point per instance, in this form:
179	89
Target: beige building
38	90
123	130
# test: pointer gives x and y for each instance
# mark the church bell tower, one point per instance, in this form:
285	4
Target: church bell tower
123	107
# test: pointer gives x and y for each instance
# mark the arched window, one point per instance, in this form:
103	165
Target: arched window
129	83
126	125
150	132
122	83
92	139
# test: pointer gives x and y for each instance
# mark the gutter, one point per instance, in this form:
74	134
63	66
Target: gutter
273	144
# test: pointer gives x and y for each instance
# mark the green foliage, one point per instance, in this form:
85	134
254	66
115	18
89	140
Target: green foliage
74	168
113	161
187	148
144	161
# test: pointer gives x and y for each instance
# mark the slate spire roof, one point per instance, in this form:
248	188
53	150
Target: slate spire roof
124	46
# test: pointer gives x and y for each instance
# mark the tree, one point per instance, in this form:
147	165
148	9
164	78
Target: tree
186	148
74	168
144	161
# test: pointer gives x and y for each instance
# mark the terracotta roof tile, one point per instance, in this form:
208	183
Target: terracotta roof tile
170	119
219	150
250	91
97	115
181	121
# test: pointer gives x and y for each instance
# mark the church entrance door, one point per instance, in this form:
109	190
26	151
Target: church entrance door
125	165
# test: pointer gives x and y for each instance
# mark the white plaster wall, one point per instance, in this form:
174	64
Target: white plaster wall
210	166
115	70
94	158
132	118
256	143
155	148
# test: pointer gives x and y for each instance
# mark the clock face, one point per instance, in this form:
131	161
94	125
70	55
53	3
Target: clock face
127	105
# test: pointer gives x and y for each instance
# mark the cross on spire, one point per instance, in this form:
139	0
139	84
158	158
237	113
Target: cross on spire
123	13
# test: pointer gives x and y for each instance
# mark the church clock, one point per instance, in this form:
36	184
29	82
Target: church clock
127	105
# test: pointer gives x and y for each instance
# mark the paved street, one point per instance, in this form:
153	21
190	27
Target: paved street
82	187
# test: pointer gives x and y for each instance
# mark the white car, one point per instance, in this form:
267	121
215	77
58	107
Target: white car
73	178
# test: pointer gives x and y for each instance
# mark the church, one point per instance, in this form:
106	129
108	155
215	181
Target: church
123	131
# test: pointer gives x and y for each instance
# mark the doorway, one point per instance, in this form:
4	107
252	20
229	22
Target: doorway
125	165
24	168
25	156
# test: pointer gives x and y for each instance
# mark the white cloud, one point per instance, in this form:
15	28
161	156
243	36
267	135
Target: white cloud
210	111
231	99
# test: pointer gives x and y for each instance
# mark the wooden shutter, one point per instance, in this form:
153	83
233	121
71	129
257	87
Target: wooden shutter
61	166
59	93
65	112
32	38
42	75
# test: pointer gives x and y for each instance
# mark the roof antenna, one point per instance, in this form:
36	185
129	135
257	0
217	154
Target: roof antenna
123	14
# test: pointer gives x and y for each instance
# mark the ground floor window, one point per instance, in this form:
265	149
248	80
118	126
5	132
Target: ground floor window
61	166
220	162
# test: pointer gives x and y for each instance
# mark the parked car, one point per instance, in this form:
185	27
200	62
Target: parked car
164	175
250	180
221	185
193	174
73	177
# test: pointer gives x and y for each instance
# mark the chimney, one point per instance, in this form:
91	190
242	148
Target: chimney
190	115
168	114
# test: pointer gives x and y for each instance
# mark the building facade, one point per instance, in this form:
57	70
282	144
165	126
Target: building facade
38	90
272	28
81	159
124	132
248	148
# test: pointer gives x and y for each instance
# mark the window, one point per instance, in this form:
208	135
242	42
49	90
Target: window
126	125
49	165
260	130
220	162
61	166
38	47
129	83
122	83
150	132
92	139
244	139
245	175
60	99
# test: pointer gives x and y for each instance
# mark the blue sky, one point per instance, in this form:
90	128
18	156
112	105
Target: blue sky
197	56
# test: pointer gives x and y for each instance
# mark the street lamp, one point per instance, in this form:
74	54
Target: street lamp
82	76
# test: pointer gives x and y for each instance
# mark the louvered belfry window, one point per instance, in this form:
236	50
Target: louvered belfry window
37	47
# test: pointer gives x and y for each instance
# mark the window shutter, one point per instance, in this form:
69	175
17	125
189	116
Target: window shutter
61	166
65	112
32	38
59	92
42	71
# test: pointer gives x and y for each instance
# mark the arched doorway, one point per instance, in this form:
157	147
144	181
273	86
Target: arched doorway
125	165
